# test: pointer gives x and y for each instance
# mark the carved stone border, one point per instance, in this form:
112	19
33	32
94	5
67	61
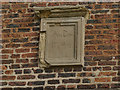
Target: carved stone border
61	11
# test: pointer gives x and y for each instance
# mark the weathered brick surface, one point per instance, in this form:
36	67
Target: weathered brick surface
19	62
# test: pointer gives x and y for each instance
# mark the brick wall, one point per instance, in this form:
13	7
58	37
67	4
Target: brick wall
19	64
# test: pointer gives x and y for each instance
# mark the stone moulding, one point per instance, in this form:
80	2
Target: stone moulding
60	14
61	11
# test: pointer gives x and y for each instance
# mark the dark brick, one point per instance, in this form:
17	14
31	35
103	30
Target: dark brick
93	53
98	58
5	6
104	36
4	41
14	15
77	68
66	74
115	11
53	82
86	74
6	89
37	70
115	85
15	56
44	76
18	71
3	83
17	83
23	30
34	60
50	88
38	88
36	83
89	7
89	27
86	86
92	32
98	6
7	61
116	16
103	85
93	42
34	39
116	68
27	71
48	70
68	69
22	61
26	88
15	66
6	31
117	79
85	80
30	44
111	21
116	6
97	68
30	10
20	40
94	21
106	68
88	58
107	63
12	26
103	26
106	47
89	37
70	80
99	11
21	77
87	68
29	65
90	63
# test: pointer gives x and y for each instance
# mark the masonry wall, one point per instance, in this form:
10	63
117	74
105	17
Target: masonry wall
19	47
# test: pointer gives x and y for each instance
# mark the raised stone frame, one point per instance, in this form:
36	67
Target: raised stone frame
62	32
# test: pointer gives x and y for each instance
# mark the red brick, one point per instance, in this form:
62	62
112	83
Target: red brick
103	79
9	72
8	77
5	56
3	67
30	34
22	50
107	74
61	87
53	4
15	56
71	86
7	51
29	55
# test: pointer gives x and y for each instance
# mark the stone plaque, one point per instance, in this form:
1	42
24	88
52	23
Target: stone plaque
62	41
